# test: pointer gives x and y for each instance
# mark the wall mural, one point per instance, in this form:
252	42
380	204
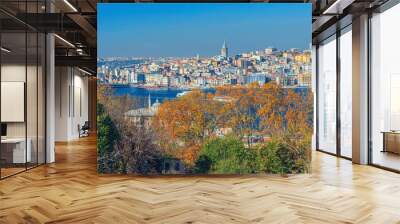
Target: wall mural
204	88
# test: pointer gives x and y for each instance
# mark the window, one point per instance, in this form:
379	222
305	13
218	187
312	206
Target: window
327	95
385	89
346	92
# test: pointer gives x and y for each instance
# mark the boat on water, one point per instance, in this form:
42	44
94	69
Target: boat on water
182	93
148	87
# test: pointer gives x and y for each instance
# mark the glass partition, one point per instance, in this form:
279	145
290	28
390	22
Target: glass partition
385	89
327	95
13	114
22	91
41	96
346	92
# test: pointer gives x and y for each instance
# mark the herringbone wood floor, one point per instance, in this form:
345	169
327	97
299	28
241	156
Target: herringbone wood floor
70	191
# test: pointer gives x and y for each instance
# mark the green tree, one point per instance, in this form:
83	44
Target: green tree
228	155
202	165
267	159
293	158
107	135
281	156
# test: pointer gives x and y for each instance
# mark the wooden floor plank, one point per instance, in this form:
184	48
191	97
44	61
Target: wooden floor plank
71	191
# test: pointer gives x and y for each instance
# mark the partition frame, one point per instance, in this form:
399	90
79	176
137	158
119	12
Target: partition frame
338	33
44	94
381	9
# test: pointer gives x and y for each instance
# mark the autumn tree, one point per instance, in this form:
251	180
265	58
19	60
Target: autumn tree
136	150
241	110
124	147
180	125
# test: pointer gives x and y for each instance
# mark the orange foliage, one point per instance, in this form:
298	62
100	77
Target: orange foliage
269	110
180	124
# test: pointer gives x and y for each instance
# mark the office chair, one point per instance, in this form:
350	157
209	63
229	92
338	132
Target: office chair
84	130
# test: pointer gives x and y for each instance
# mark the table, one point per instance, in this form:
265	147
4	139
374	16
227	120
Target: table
391	141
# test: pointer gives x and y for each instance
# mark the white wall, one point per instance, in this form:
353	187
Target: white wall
71	94
13	72
33	126
10	73
16	73
61	103
81	104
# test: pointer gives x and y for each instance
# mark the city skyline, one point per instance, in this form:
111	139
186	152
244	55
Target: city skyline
218	52
289	68
185	33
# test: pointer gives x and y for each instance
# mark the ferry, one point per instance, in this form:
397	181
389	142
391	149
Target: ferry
182	93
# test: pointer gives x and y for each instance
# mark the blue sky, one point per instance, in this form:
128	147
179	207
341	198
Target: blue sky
181	30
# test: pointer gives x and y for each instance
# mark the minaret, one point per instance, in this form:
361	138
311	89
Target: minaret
224	50
149	101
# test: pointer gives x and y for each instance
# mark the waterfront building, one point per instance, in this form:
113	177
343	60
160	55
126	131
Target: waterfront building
304	80
142	116
259	78
165	81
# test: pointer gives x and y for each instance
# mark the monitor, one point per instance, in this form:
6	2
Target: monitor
3	129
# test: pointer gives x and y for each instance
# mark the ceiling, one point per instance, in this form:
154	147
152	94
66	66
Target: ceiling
331	15
75	22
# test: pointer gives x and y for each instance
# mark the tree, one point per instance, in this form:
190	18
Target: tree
203	164
107	136
180	126
123	147
184	124
298	112
114	106
280	156
268	159
243	116
227	155
137	151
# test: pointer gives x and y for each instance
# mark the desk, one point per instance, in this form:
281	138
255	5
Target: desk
391	141
13	150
